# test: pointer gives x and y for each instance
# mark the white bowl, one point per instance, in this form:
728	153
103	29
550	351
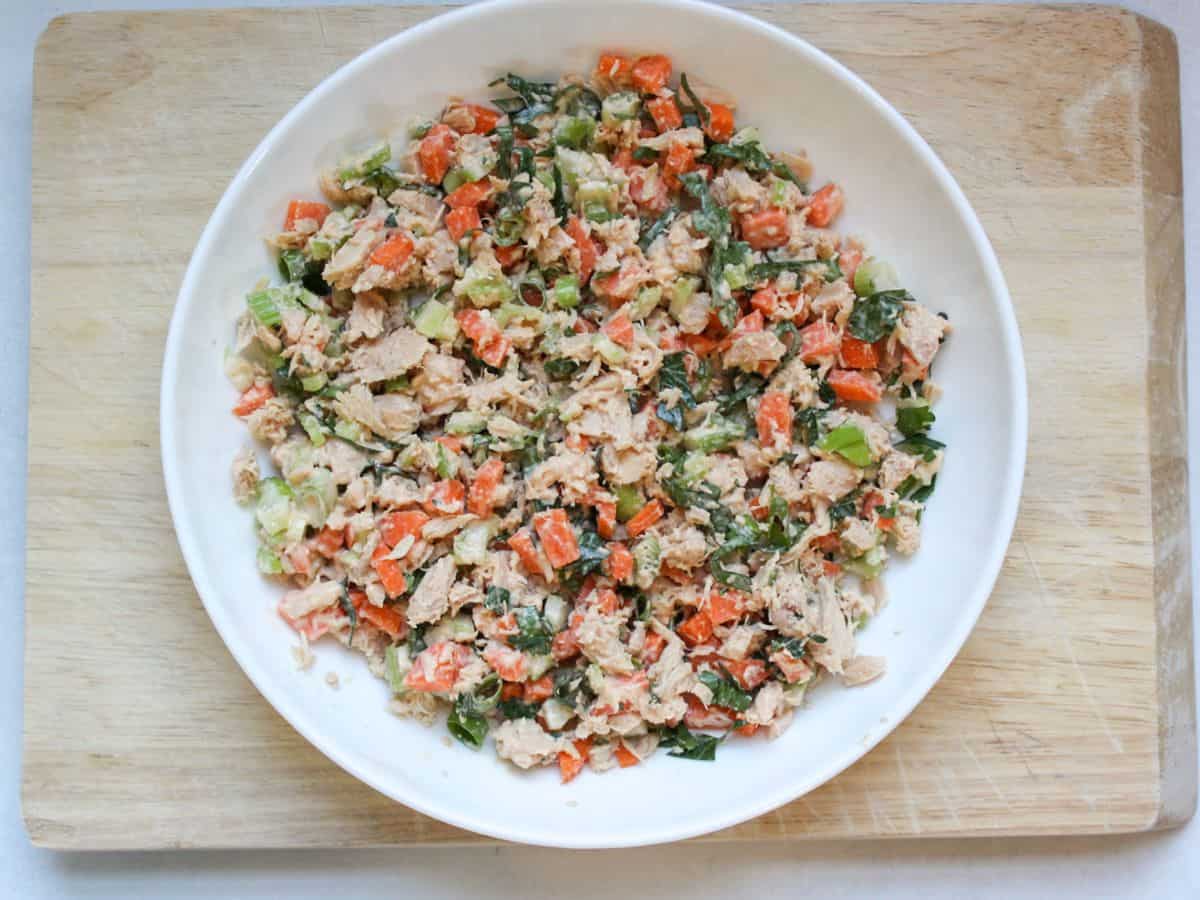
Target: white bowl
900	198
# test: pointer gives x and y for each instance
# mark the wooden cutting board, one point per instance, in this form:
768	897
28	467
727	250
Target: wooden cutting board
1070	709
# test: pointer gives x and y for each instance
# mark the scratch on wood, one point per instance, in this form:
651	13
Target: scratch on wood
909	799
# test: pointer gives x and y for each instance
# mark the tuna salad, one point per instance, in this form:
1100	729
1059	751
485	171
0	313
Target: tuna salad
585	426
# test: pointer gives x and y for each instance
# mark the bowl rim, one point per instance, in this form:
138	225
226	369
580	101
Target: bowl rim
1009	339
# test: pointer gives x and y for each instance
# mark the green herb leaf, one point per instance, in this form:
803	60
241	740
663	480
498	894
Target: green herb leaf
661	224
849	442
914	420
348	609
518	709
726	691
703	113
534	634
921	445
808	425
497	599
826	268
468	727
673	374
687	745
560	369
874	318
592	554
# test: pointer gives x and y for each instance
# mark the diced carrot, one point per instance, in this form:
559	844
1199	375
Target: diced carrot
435	152
446	498
402	524
830	568
824	206
696	630
299	210
483	488
653	647
724	608
828	543
490	345
650	194
253	398
702	717
393	253
818	340
747	730
665	113
751	322
470	194
650	74
620	563
774	419
436	667
720	122
390	571
451	442
749	673
700	344
606	601
557	536
911	369
329	540
645	517
577	442
623	160
625	756
537	691
385	618
509	663
509	256
620	330
615	69
759	510
606	518
849	259
856	387
521	543
793	669
461	221
766	229
571	764
512	690
765	300
679	159
858	354
588	254
301	558
494	351
485	117
565	645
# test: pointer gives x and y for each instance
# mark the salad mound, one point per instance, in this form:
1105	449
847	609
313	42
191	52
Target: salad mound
587	427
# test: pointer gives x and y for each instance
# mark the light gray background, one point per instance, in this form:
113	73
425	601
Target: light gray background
1160	865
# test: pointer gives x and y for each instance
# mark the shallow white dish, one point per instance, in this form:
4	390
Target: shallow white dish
900	198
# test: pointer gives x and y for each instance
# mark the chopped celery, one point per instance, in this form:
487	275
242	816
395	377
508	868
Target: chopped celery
443	461
356	167
465	422
574	132
863	567
629	501
274	505
596	211
351	431
451	628
435	320
313	383
646	302
736	277
621	106
556	714
487	290
396	385
695	466
262	306
313	428
778	193
269	562
509	312
412	457
716	433
471	544
539	665
397	664
647	557
873	276
315	497
292	265
747	135
455	179
555	612
609	350
576	168
682	293
565	293
793	694
319	247
849	442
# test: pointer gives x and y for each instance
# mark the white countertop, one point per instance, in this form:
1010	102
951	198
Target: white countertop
1164	865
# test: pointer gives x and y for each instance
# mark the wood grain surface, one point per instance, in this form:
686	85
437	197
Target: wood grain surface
1070	709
